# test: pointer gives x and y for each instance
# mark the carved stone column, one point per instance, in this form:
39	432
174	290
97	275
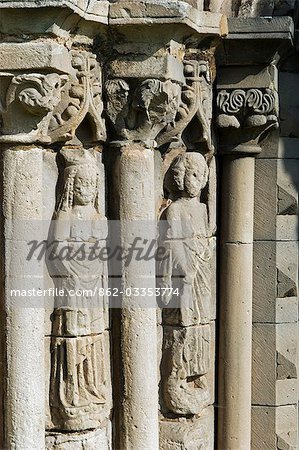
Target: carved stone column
153	96
138	111
51	121
247	110
25	368
28	97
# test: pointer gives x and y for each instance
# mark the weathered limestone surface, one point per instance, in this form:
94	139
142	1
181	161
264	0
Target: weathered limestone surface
24	395
108	112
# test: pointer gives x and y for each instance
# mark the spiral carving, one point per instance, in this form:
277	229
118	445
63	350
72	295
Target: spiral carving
231	102
261	102
256	100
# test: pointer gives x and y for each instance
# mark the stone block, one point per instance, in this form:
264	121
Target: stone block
264	281
188	434
263	364
274	366
35	56
287	353
96	10
289	101
287	269
247	77
155	12
274	428
288	180
287	427
286	310
263	429
288	187
287	228
265	204
166	67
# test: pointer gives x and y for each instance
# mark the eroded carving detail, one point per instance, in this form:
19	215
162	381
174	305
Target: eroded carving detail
80	377
196	103
160	111
49	108
187	228
186	363
140	114
187	235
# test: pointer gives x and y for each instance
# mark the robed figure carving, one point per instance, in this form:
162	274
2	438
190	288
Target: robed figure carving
80	376
186	233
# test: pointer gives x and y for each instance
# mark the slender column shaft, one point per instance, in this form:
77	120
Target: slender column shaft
138	321
25	387
236	303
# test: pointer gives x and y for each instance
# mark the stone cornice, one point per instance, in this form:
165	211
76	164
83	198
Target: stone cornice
95	10
256	40
132	13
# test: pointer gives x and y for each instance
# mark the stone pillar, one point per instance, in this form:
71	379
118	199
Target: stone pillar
26	98
236	302
153	95
246	111
25	368
138	322
47	91
145	103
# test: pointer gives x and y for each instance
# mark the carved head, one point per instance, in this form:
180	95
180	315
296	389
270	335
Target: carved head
85	184
187	175
81	181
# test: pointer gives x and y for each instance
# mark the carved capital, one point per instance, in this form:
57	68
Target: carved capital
50	107
157	110
244	115
139	113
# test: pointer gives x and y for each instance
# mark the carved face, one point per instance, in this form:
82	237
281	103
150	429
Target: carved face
195	176
85	184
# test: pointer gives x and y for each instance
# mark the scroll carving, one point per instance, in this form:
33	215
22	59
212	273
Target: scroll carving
250	108
80	396
245	116
186	230
50	108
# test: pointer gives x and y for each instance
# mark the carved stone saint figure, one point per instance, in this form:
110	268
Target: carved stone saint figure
79	384
187	237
